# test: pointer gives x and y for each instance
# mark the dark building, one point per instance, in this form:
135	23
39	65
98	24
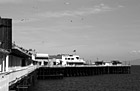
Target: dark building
5	33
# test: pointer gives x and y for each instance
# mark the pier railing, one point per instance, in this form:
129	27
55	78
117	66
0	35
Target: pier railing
83	66
13	75
19	73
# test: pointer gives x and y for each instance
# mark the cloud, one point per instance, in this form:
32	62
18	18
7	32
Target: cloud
121	6
45	0
22	1
135	51
10	1
80	12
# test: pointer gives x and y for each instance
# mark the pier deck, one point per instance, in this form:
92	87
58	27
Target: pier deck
14	76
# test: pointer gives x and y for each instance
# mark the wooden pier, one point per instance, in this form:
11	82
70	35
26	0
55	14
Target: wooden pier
60	72
50	72
20	79
23	79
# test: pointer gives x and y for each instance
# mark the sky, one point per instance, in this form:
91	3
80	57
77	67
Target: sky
103	29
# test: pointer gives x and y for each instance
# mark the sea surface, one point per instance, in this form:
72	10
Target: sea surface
112	82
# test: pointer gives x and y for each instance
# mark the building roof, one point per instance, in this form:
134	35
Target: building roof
19	53
42	55
55	56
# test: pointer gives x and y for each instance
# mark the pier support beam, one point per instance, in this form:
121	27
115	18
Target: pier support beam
46	72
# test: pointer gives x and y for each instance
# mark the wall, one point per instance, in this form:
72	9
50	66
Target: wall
14	61
6	33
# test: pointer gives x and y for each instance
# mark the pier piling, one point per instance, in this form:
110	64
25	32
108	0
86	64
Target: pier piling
60	72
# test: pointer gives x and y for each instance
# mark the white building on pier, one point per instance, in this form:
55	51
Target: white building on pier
66	60
41	58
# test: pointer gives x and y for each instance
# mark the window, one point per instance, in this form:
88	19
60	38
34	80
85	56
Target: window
72	58
77	58
68	58
54	63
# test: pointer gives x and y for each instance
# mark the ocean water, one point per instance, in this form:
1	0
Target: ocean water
112	82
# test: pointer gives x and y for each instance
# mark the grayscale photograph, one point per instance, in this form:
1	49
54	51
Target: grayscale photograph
69	45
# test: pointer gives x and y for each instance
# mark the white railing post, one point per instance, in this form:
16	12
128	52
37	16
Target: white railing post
7	62
3	65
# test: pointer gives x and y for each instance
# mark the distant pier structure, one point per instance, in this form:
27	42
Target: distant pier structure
20	68
85	70
64	65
